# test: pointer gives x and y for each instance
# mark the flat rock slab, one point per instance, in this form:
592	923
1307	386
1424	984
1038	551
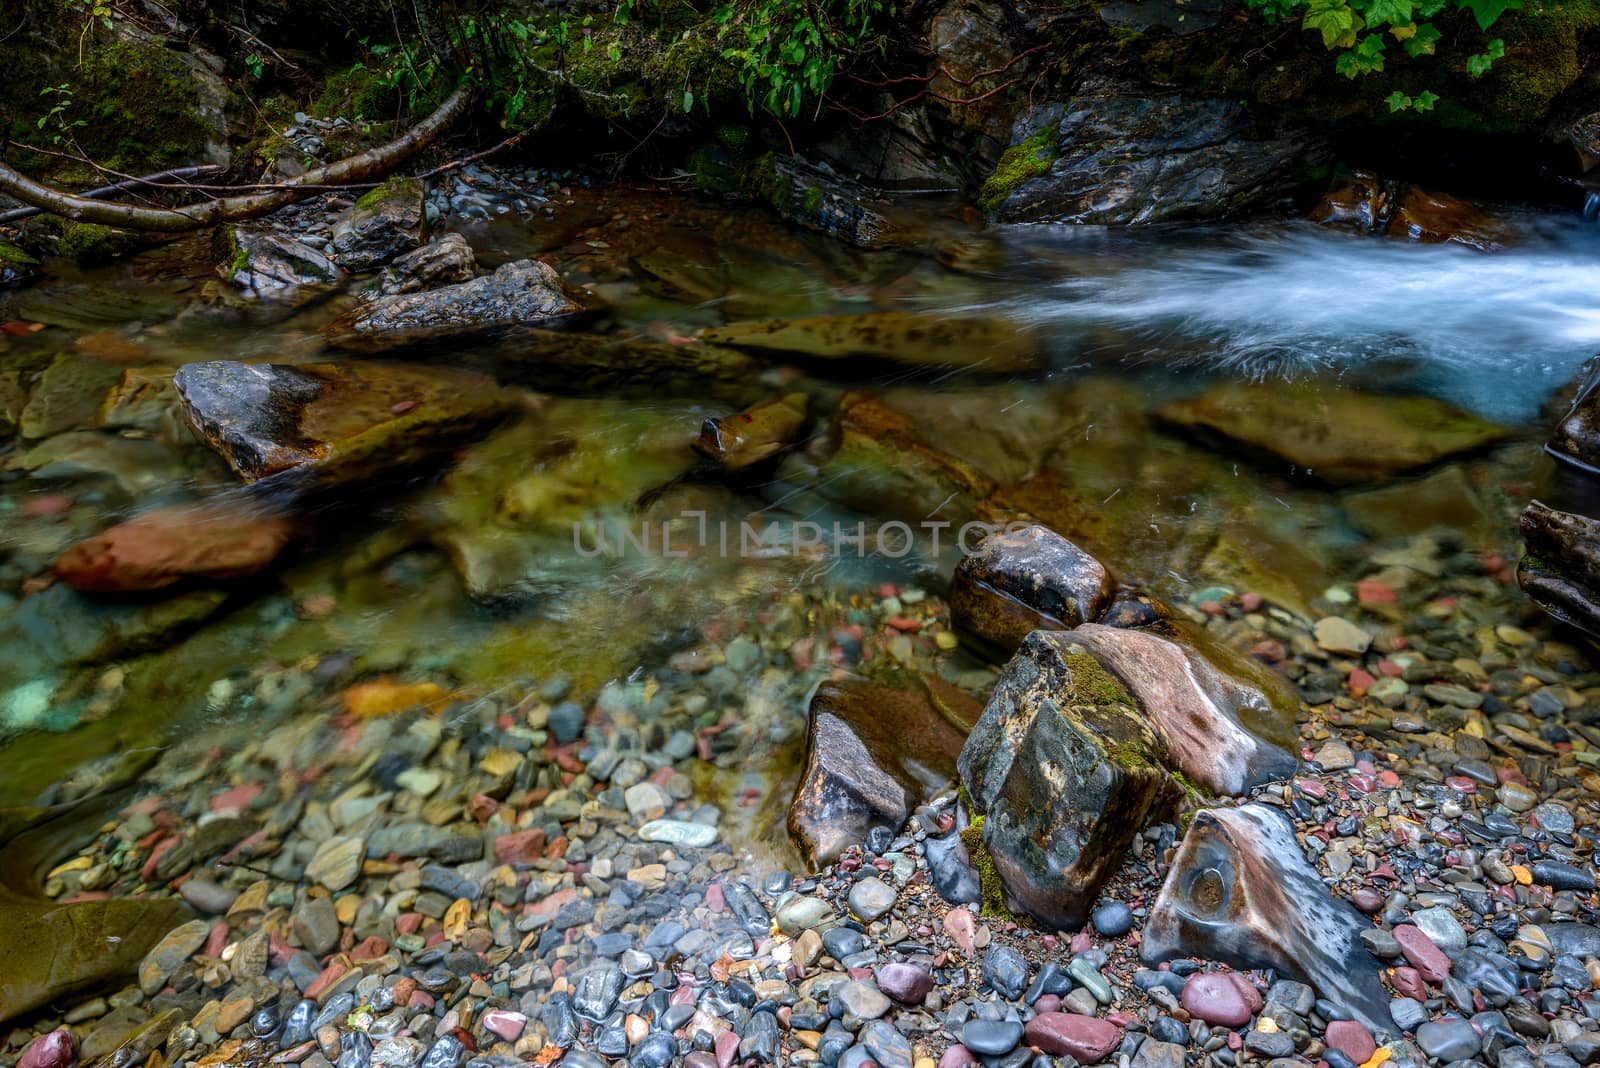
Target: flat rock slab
993	345
336	422
874	751
526	292
758	433
1326	432
1240	891
219	540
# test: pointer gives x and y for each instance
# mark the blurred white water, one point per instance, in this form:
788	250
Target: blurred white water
1495	331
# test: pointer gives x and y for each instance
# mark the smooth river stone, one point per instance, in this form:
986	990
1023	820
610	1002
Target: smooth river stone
1086	1039
1222	998
1240	891
679	832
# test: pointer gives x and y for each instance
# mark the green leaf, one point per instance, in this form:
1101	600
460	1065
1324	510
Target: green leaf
1423	41
688	101
1487	11
1398	101
1334	19
1392	12
1426	99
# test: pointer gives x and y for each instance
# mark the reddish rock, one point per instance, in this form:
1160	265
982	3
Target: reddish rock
1367	900
52	1050
1409	983
959	925
1084	1038
212	541
520	847
957	1056
1222	998
236	799
330	975
905	982
1351	1039
1427	958
726	1046
507	1025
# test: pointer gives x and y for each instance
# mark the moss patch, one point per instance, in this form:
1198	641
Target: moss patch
141	107
91	243
1030	159
993	900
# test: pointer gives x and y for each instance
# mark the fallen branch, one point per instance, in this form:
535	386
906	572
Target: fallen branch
372	163
176	173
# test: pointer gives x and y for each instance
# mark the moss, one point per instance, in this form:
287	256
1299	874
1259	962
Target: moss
141	107
91	243
358	92
1030	159
813	200
1093	684
992	903
12	256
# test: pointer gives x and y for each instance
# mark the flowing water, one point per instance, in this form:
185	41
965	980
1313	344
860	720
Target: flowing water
467	575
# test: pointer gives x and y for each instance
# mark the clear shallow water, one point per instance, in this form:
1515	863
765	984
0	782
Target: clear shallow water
467	575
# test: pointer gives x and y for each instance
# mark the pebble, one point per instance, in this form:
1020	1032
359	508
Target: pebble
337	863
871	898
1340	636
991	1038
1113	919
1449	1040
1224	998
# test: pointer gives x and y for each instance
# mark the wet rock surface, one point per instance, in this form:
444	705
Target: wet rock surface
332	421
756	434
526	292
989	345
266	264
1016	582
217	541
1135	159
381	225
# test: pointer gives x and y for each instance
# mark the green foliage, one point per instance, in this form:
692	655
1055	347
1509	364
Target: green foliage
1357	32
59	118
788	52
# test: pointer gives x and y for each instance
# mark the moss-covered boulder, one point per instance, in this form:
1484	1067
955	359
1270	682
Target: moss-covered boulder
264	264
1065	768
874	751
383	224
1324	431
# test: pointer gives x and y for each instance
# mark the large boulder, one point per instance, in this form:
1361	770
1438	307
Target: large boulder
1194	709
1064	768
1117	159
1240	891
333	422
444	261
875	749
1017	581
218	540
526	292
1561	569
384	223
1327	432
990	345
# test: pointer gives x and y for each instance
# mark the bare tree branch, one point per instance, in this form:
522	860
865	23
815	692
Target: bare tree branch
161	180
372	163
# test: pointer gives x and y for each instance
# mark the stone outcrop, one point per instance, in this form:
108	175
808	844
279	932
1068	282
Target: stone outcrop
333	422
875	749
445	261
759	433
265	264
1064	768
1240	891
383	224
1112	159
1364	203
1323	431
1017	581
1561	569
527	292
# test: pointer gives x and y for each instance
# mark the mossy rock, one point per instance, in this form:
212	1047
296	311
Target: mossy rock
1027	159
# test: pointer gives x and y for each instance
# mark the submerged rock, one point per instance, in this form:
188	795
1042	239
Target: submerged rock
522	293
333	422
1364	203
819	199
217	540
1193	709
984	344
1560	570
746	438
444	261
67	395
1018	581
265	263
1334	434
1115	160
882	465
1064	768
384	223
16	266
1240	891
1576	439
874	751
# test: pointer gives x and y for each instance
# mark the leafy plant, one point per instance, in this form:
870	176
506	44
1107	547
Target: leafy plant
1359	32
788	52
59	117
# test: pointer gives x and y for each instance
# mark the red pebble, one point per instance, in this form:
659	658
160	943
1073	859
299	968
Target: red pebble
1352	1039
408	923
330	975
1250	602
1461	784
216	940
1427	958
1409	983
1360	682
716	901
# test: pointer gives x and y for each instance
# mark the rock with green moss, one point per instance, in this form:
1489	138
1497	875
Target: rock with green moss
874	751
265	264
819	199
1322	430
1065	768
1195	711
1133	158
16	266
1028	158
386	222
